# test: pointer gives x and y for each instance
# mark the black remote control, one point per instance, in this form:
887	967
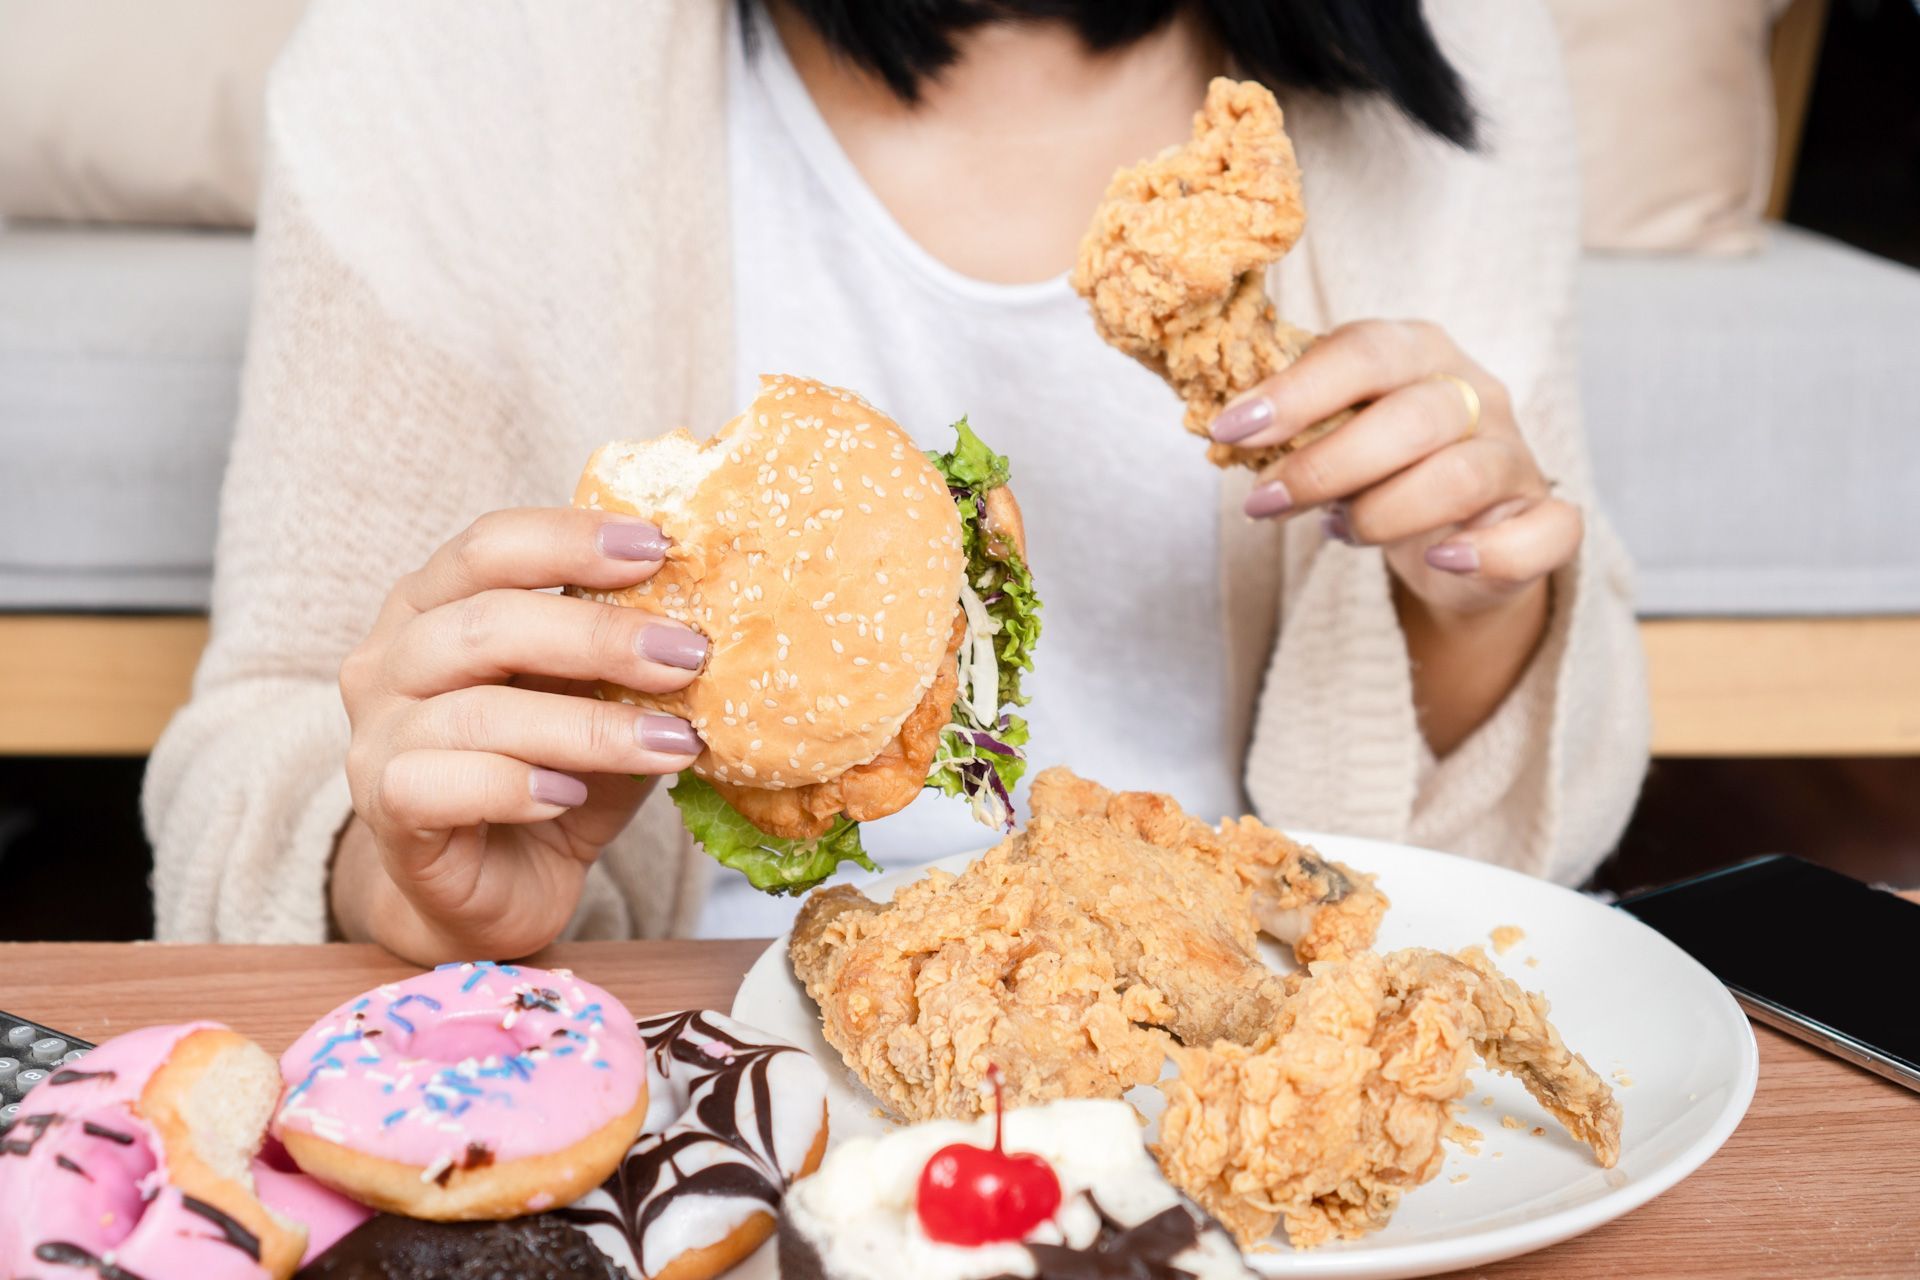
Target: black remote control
29	1053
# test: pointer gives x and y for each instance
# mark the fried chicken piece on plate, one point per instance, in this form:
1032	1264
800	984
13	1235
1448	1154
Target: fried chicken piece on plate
1174	263
921	995
1328	1120
1324	910
1064	956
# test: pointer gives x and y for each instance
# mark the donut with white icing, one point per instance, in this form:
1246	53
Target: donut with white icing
475	1091
736	1116
137	1162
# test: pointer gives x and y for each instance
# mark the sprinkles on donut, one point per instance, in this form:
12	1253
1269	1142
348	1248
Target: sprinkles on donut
475	1091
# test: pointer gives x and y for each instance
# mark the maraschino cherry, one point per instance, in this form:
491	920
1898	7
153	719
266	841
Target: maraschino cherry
973	1196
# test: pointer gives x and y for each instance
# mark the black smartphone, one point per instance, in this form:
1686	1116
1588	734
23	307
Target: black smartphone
1817	954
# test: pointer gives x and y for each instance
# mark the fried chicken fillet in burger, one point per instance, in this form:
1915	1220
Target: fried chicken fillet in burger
868	612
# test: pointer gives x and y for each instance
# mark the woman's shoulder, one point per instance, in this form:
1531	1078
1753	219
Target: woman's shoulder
417	139
367	74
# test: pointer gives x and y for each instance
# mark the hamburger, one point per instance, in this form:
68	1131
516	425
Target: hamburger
869	614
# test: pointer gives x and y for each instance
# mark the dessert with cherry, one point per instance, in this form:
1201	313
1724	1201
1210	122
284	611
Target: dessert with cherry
1066	1191
972	1195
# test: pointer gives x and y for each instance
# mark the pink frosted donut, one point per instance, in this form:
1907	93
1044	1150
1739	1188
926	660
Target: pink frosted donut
478	1090
127	1164
328	1215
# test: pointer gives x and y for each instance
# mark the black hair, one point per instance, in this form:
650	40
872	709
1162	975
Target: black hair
1378	48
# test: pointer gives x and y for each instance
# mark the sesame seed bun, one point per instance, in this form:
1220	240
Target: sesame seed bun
818	551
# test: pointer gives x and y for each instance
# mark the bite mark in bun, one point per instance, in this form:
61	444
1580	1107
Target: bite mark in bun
868	612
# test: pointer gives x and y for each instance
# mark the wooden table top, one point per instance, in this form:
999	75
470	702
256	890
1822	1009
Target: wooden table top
1822	1178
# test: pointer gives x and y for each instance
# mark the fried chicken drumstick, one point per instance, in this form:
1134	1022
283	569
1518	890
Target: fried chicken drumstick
1175	262
1324	1122
1073	955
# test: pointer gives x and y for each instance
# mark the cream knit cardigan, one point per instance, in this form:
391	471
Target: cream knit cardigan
494	235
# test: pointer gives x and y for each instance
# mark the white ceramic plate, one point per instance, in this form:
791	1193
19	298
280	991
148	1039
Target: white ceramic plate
1644	1013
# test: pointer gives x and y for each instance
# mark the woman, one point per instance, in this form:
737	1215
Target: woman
493	237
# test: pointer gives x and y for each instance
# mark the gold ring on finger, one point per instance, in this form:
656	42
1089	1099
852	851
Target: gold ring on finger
1469	397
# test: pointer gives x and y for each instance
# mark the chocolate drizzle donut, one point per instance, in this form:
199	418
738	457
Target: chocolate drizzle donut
734	1117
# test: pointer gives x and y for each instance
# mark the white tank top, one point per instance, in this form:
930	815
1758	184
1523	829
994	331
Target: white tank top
1129	685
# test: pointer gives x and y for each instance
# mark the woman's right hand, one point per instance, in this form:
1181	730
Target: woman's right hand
486	778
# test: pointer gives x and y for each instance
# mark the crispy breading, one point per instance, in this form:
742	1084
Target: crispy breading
1340	1109
922	995
1174	263
1067	956
1324	910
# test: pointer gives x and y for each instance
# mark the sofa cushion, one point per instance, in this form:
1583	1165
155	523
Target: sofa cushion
119	362
143	111
1674	105
1755	426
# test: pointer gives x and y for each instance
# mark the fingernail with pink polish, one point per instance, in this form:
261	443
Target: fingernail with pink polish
670	734
551	787
632	540
1269	499
1454	557
1241	419
1334	524
672	646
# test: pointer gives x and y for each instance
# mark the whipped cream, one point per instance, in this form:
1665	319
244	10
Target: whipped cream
858	1209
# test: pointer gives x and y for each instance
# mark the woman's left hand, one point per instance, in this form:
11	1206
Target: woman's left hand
1432	469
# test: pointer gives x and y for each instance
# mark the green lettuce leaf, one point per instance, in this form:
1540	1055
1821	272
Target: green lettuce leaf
1006	585
971	465
962	765
771	865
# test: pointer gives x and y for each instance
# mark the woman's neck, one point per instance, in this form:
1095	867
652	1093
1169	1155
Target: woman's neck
997	168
